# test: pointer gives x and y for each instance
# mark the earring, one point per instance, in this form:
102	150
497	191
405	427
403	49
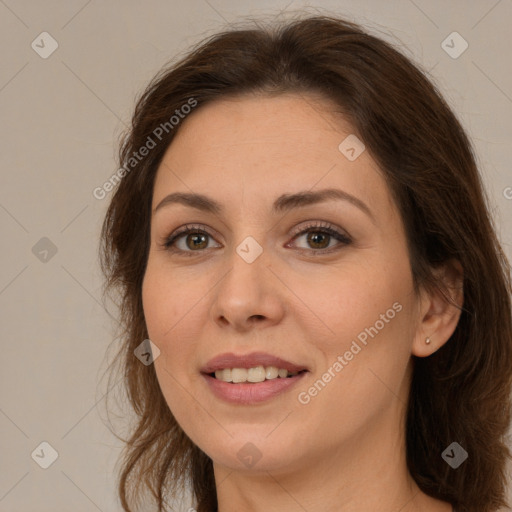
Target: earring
427	340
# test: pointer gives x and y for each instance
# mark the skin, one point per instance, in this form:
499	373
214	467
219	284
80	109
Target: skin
344	451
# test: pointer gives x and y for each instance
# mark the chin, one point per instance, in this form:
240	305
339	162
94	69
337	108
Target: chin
254	453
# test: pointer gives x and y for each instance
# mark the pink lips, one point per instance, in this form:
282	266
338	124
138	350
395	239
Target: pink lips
247	393
230	360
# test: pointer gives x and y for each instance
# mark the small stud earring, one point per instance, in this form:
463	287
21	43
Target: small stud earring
427	340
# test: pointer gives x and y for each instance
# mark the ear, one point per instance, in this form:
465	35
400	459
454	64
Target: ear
440	310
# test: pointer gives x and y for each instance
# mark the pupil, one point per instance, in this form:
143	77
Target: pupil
195	243
312	238
199	240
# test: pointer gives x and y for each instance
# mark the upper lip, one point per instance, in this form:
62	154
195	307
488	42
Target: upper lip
230	360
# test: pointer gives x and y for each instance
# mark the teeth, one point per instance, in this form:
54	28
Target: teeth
239	375
256	374
224	375
271	372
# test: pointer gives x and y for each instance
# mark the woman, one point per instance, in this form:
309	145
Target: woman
301	231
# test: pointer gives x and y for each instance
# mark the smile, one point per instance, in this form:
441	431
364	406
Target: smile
255	374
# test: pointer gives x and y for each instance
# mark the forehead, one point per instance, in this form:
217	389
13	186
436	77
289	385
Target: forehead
258	147
243	125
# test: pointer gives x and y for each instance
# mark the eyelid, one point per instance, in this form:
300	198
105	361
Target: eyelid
340	235
169	240
320	224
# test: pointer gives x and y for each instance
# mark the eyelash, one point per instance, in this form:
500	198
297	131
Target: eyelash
318	227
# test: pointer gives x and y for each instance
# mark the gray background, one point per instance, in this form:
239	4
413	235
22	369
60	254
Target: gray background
60	119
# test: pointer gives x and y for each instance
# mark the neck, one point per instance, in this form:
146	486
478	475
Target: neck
367	472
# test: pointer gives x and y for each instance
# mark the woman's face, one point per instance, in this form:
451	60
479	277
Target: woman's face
262	275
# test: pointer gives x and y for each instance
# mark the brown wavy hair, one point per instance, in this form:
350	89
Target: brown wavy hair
459	393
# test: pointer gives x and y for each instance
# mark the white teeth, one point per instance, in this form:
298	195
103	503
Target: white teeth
239	375
271	372
224	375
256	374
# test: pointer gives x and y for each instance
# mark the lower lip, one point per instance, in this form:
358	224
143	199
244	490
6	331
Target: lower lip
251	393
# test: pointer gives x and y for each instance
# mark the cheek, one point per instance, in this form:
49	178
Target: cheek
365	298
173	325
156	300
370	314
370	319
364	362
170	311
166	299
175	304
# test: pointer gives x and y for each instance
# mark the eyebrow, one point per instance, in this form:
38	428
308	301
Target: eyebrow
283	203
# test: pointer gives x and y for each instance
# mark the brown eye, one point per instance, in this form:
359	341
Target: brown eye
319	237
195	240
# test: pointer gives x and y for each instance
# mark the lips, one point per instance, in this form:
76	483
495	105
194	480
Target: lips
230	360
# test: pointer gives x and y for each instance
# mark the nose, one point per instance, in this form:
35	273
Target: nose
248	295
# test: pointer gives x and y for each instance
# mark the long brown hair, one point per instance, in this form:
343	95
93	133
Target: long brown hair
461	392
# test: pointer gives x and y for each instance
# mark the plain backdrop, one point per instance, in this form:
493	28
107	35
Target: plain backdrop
61	115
